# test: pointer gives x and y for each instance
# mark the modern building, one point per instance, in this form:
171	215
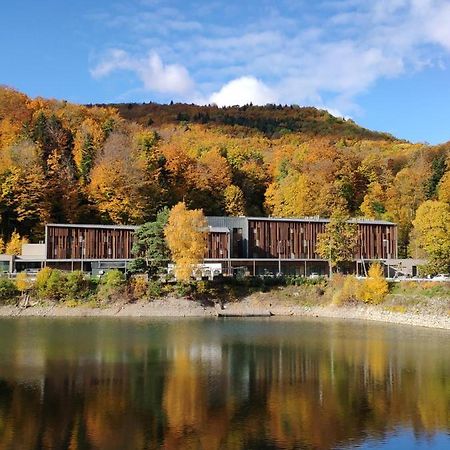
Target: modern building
254	245
262	244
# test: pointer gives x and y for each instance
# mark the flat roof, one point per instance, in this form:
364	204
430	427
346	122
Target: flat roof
92	225
219	229
307	219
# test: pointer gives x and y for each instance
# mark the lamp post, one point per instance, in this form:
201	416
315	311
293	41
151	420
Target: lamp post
81	240
386	253
279	258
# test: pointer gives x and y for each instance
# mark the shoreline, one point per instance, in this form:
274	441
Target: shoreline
179	308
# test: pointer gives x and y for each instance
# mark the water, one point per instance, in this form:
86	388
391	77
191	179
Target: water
222	384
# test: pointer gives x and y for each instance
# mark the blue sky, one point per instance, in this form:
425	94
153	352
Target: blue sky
384	63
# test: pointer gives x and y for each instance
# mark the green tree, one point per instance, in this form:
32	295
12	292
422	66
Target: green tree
338	242
438	167
150	246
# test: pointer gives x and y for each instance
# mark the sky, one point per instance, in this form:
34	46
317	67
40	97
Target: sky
383	63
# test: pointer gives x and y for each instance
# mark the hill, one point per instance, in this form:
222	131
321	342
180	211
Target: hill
272	120
61	162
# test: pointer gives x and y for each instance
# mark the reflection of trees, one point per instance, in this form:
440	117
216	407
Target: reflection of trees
200	385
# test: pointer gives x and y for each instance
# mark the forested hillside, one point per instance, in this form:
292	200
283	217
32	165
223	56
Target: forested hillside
61	162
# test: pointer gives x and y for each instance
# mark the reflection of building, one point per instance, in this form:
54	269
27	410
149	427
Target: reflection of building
256	245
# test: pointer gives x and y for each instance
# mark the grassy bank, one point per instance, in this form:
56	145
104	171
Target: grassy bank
75	289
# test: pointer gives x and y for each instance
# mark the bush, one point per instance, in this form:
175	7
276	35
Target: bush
50	284
112	283
374	288
41	281
53	284
346	289
139	286
56	283
8	290
78	286
154	289
23	283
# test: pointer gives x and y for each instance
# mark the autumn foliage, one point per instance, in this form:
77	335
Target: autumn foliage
185	234
61	162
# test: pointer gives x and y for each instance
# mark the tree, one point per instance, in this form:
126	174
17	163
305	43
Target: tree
373	204
432	230
444	188
234	201
14	246
438	167
150	246
291	197
185	234
119	182
337	243
375	287
403	198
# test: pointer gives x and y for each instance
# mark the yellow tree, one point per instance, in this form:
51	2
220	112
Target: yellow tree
291	197
444	188
234	201
432	231
375	286
373	203
14	246
185	234
120	183
403	198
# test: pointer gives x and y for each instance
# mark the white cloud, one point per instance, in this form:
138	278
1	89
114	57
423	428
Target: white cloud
242	91
328	55
155	76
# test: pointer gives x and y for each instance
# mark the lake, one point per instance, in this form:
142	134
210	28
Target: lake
222	384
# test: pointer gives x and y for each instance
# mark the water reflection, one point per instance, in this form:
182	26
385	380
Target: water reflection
221	384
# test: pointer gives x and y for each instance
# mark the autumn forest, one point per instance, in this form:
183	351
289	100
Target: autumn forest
62	162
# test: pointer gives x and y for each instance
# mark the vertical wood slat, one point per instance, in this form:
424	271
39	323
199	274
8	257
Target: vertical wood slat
375	241
98	243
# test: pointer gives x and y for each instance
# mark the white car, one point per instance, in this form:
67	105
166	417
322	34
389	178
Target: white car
441	277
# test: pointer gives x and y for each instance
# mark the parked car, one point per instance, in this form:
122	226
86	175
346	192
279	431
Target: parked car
441	277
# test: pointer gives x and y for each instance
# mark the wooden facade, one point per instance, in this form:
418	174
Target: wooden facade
297	238
86	242
218	244
228	239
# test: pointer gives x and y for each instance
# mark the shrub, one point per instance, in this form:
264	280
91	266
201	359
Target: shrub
154	289
56	284
113	278
50	284
139	286
110	284
8	290
23	283
78	285
374	288
347	291
41	281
